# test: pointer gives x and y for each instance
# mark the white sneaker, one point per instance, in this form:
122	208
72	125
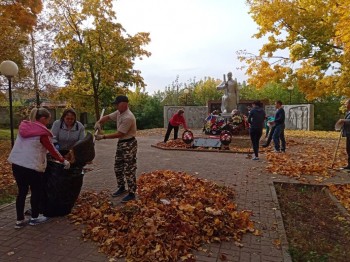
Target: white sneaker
38	220
255	158
21	223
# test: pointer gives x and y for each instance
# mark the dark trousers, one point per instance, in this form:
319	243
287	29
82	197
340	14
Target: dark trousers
348	148
255	135
277	136
269	138
267	130
170	127
27	178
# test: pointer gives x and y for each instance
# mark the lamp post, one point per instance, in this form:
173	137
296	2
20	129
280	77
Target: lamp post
186	91
9	69
290	90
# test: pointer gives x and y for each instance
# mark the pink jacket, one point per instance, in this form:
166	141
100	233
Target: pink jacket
29	129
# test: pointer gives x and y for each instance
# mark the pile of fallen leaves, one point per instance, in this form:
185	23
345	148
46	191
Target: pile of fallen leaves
342	192
239	144
178	143
174	214
308	156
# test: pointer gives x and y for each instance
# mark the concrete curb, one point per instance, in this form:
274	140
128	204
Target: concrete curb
280	224
338	204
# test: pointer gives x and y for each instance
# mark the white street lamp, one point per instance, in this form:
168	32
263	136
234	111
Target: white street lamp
290	90
186	91
9	69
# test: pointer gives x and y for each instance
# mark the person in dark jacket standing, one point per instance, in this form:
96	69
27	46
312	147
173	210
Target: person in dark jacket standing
256	120
278	134
345	123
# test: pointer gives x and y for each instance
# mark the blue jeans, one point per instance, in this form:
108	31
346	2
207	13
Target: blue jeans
278	135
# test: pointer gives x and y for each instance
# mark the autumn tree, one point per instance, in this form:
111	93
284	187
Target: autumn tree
147	109
98	51
205	90
20	13
43	71
199	92
171	93
307	46
17	19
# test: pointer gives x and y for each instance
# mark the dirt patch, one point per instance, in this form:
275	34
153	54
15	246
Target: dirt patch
8	194
316	229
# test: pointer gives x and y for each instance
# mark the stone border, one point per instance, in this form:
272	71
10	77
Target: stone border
280	224
342	209
7	205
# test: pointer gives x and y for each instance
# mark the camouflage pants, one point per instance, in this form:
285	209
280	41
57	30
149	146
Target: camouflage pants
125	164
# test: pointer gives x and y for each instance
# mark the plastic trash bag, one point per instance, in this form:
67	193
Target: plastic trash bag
62	188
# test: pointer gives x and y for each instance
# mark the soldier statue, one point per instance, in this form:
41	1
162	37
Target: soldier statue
230	99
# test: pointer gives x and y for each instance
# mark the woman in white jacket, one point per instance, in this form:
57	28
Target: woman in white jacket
28	158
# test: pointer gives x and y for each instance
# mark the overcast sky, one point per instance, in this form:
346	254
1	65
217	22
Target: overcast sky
189	38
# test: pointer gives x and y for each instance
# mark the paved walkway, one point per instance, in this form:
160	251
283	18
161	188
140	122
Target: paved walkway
58	240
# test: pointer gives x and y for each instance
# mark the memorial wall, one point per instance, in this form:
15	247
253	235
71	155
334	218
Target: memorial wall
298	117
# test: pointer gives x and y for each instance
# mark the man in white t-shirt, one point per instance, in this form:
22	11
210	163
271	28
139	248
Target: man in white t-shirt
125	157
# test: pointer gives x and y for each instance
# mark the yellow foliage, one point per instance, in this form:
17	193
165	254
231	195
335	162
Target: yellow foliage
317	36
101	56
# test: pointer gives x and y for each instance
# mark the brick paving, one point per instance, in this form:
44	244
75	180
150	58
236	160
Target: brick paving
58	240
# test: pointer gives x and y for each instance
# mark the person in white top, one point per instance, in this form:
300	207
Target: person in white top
125	158
28	159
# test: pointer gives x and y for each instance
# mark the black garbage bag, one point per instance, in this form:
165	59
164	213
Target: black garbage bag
62	188
84	150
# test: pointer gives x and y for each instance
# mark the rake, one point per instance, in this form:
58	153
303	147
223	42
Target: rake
336	149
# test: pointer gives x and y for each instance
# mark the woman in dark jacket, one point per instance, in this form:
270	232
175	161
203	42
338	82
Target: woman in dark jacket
256	121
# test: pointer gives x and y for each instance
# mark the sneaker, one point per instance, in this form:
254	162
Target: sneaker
21	223
264	145
28	212
38	220
128	197
345	167
120	191
276	151
255	158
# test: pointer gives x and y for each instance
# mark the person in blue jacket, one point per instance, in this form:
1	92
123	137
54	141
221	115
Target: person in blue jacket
278	134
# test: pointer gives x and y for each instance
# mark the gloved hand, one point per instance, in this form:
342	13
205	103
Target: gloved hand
97	126
99	137
66	164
